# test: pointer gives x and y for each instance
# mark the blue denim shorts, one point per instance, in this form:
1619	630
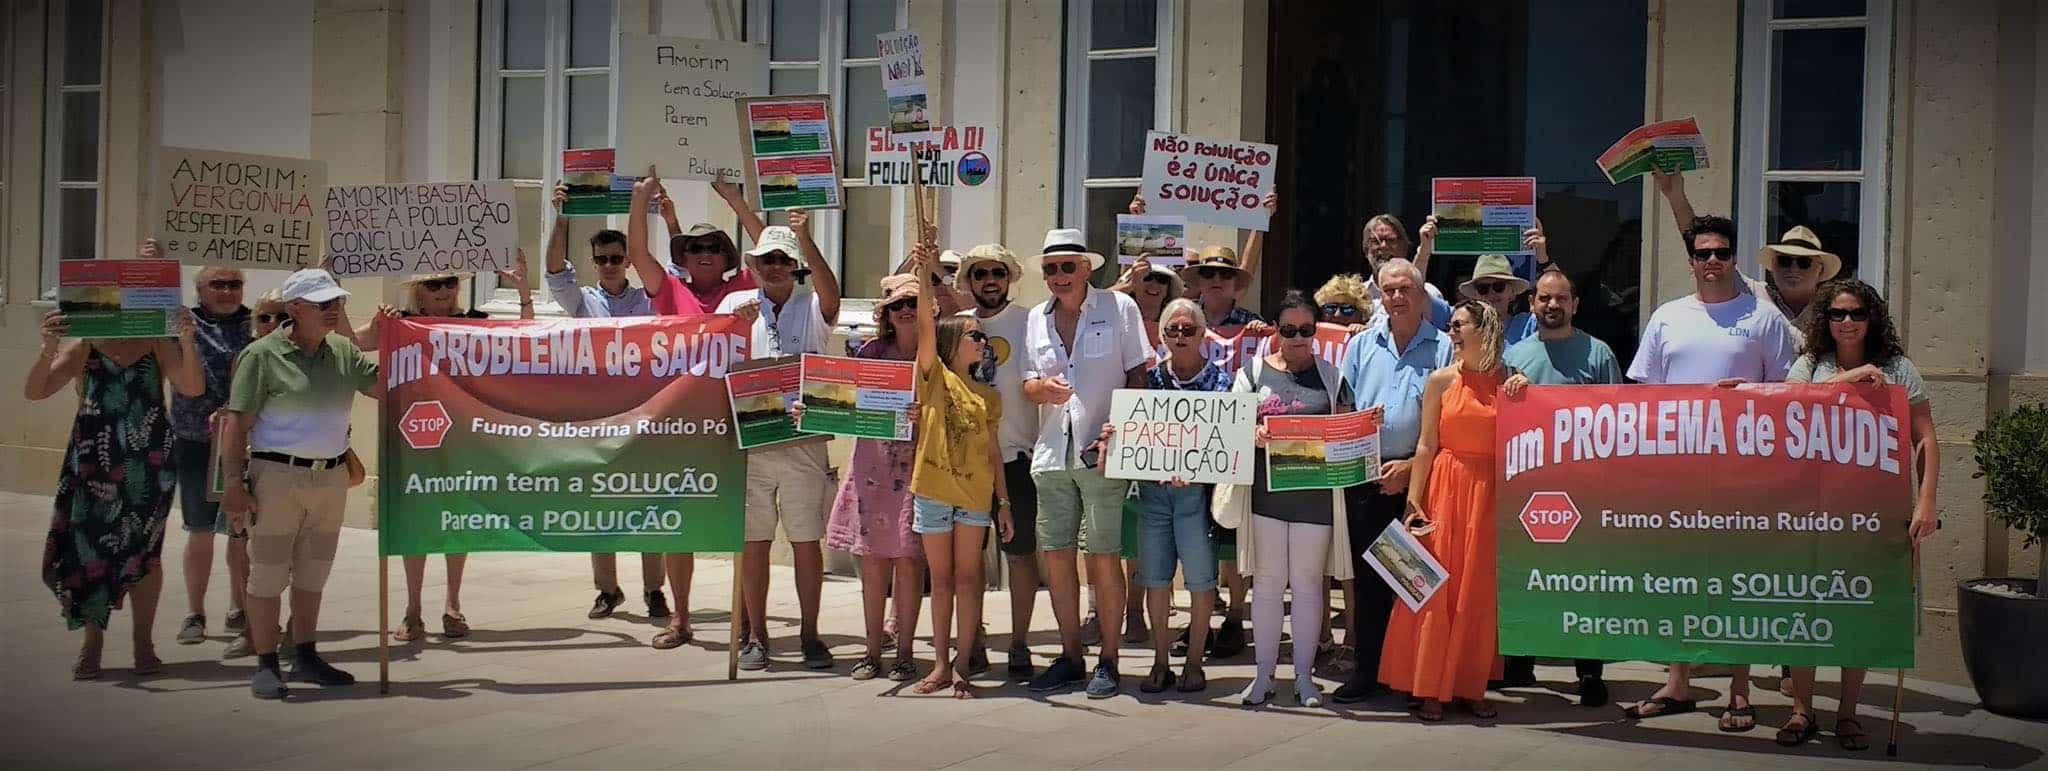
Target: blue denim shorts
930	517
1173	527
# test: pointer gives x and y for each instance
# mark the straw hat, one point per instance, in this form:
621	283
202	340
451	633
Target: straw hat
989	253
1799	242
1492	266
1069	242
421	278
1218	256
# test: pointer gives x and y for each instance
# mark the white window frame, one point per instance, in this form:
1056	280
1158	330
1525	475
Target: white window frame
829	225
1075	181
1753	194
53	142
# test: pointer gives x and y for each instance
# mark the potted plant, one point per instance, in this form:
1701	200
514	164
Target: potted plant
2001	619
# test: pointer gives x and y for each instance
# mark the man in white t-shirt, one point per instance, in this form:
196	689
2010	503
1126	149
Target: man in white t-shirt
788	483
1718	334
986	273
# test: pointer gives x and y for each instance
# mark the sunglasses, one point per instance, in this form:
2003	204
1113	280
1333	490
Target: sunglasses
1840	314
1212	273
1290	330
1056	268
1340	309
1180	330
325	306
1159	278
1724	254
608	259
1786	262
265	318
983	274
224	285
900	305
978	336
1490	287
776	259
950	269
436	285
700	247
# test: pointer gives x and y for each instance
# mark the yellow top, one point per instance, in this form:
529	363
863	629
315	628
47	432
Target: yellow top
956	436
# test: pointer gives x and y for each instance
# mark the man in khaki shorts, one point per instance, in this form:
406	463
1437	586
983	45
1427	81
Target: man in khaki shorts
286	442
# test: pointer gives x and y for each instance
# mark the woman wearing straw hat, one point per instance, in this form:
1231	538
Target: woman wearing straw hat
1494	282
435	295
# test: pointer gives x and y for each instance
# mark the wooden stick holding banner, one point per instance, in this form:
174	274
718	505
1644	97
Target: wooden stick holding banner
383	625
732	653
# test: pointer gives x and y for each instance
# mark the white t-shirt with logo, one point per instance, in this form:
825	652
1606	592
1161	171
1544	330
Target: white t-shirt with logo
1688	341
797	327
1021	418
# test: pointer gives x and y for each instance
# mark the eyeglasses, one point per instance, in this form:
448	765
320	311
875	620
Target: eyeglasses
1159	278
438	284
1787	262
1290	330
224	285
1212	273
1724	254
983	274
978	336
1180	330
265	318
1490	287
1340	309
1056	268
1844	314
900	305
608	259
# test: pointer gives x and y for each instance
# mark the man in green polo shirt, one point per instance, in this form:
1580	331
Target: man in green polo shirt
285	441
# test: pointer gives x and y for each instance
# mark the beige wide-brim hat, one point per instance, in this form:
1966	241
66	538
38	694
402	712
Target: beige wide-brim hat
1215	257
1799	242
425	277
1492	266
990	253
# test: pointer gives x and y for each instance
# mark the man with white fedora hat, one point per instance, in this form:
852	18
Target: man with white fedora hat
1494	282
1795	264
1080	346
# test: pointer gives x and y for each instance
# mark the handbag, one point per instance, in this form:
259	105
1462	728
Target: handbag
1230	505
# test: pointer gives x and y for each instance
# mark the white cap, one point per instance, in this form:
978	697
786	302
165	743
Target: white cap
949	257
775	238
314	285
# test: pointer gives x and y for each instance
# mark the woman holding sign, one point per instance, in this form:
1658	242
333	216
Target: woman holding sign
1852	340
114	488
1448	649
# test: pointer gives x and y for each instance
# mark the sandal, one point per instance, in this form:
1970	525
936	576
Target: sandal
454	626
670	638
1735	720
1482	709
867	668
1664	705
1193	680
1430	712
903	670
87	667
410	629
1160	679
146	662
929	686
1850	734
962	689
1789	736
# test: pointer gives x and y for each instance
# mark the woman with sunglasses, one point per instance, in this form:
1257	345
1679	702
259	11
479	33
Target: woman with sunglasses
435	296
1151	286
1289	535
1344	300
1853	340
871	514
1448	650
1494	282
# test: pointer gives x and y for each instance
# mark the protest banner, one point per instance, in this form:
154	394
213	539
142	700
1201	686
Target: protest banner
903	83
1161	240
1668	146
1757	525
672	99
954	156
1201	437
1321	452
572	435
864	398
594	185
1408	568
424	227
1482	215
255	212
760	393
790	159
115	299
1220	182
1230	353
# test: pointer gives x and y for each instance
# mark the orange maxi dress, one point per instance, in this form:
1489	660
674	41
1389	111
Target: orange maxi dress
1450	648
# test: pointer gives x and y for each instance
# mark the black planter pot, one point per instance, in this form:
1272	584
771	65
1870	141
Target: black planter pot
1998	637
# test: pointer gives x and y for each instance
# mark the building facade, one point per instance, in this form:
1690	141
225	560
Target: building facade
1912	135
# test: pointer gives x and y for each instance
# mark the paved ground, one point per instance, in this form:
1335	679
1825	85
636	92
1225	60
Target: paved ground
538	686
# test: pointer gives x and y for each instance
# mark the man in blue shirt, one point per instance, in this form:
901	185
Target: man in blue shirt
1386	365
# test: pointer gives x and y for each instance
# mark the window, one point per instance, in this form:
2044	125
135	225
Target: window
72	161
1815	104
828	46
545	86
1119	85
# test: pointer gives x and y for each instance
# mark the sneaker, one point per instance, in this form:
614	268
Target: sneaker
1020	664
311	668
657	604
1592	692
1229	639
607	602
240	648
1061	674
754	657
867	668
816	655
267	684
1091	631
236	620
1357	690
194	630
1106	681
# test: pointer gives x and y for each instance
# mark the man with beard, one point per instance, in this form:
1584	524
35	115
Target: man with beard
1794	266
1559	354
1387	239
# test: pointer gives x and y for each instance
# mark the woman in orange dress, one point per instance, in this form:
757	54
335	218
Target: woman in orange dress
1448	650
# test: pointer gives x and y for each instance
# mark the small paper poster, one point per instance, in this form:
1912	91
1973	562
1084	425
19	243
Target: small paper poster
863	398
1482	215
594	184
1321	452
1407	567
791	160
761	392
1668	146
115	299
903	82
1160	239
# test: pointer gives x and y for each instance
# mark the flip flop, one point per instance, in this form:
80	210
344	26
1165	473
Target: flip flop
963	689
929	686
670	638
409	629
1193	682
1423	714
1482	710
454	626
1793	737
1732	716
1158	680
1665	706
1853	739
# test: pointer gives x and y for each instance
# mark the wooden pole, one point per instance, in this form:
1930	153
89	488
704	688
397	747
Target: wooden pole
732	654
383	625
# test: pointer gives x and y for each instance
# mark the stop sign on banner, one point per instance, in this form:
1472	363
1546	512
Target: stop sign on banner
1550	517
424	424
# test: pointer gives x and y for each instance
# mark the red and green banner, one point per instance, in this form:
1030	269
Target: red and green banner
1764	524
573	435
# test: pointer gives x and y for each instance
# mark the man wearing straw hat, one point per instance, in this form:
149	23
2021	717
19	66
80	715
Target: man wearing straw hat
1082	344
1494	282
1794	266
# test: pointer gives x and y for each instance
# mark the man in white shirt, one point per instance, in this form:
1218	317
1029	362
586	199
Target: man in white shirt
1719	334
986	272
788	483
1082	344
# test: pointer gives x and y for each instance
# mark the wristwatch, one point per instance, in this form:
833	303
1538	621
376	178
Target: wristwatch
1002	503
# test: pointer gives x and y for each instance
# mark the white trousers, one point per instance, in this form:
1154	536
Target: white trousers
1290	556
